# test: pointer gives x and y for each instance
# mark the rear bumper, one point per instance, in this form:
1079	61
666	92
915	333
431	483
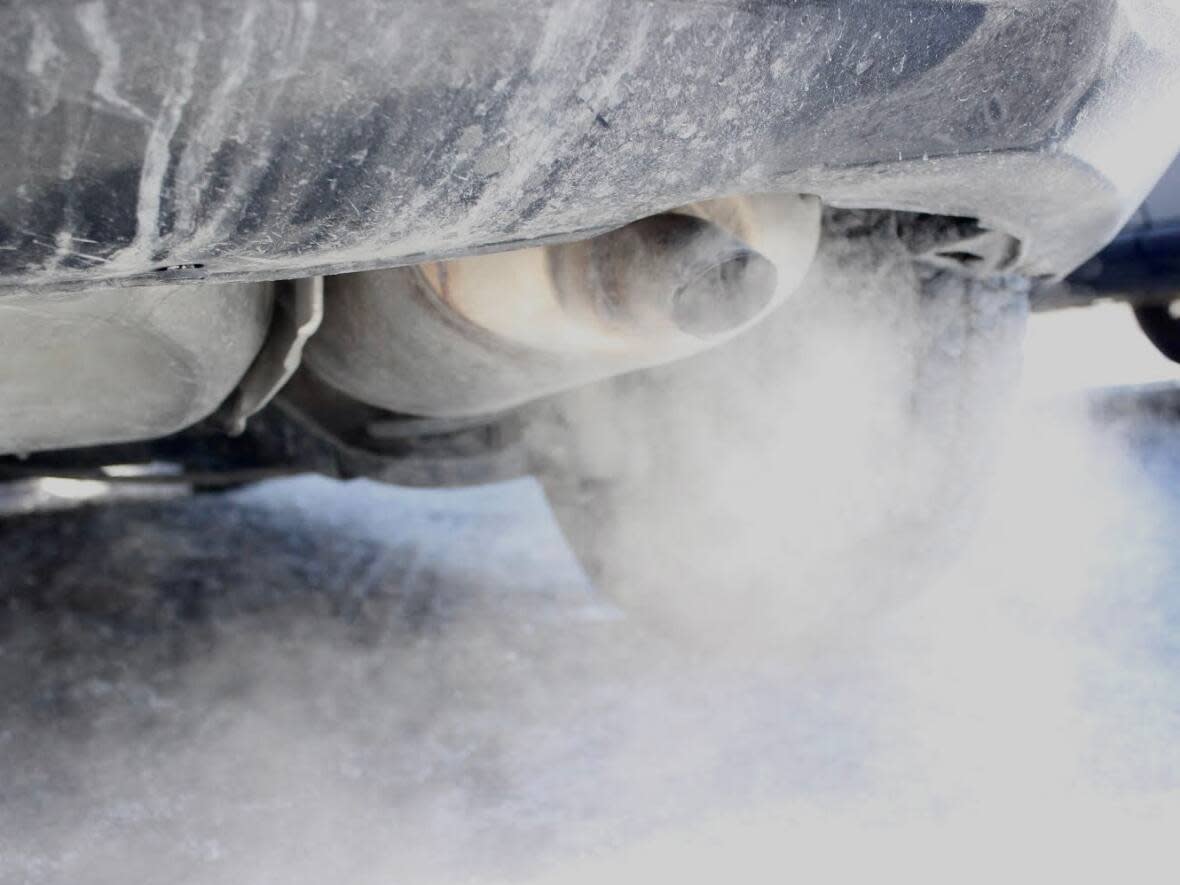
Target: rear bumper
149	141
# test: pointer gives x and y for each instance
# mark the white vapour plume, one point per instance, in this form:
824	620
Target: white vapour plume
307	683
801	478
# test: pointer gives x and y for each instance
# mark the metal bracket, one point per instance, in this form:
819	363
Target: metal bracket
961	245
299	310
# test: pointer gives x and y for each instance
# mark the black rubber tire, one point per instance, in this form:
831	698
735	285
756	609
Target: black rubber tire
1161	328
807	475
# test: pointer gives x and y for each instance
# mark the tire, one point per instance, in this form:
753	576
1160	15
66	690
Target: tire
807	476
1161	328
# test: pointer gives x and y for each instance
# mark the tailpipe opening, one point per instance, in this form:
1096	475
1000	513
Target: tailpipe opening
667	268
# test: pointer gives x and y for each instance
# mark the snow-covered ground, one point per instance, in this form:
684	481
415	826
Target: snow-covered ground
316	682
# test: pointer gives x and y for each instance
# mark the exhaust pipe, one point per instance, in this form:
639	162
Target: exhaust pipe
485	333
670	268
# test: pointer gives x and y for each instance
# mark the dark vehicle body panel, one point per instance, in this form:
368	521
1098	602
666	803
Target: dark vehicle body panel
149	141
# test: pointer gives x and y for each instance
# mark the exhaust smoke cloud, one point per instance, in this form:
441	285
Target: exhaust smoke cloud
309	683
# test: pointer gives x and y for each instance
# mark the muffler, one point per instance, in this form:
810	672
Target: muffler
484	333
